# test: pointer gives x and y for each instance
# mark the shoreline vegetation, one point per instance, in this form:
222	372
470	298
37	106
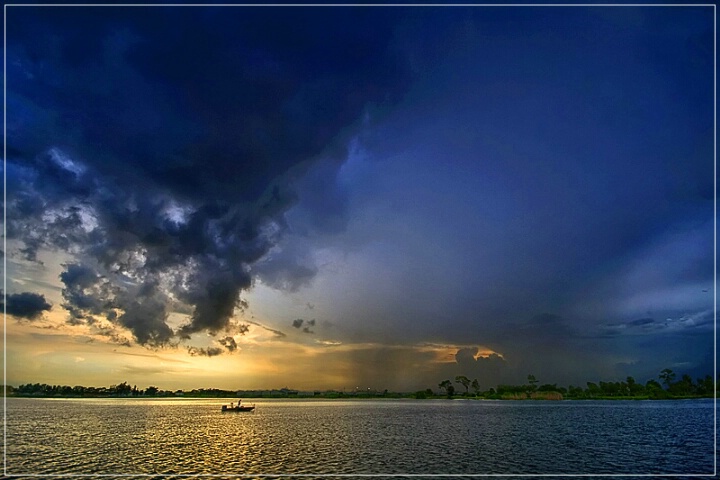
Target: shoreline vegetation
667	389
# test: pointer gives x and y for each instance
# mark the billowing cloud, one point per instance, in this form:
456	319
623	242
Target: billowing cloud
161	149
27	305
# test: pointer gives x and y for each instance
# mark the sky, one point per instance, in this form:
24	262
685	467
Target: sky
358	197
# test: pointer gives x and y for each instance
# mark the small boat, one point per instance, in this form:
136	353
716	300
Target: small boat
238	408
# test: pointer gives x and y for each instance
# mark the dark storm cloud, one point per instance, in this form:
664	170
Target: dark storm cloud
145	316
112	334
298	323
542	160
205	352
86	292
229	343
160	146
26	305
310	323
550	184
287	269
191	98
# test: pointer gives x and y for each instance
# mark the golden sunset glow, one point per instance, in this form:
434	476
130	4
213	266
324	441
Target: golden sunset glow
254	198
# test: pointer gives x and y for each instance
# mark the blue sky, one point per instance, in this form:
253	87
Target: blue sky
433	191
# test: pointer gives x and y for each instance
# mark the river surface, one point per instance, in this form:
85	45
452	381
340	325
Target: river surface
284	437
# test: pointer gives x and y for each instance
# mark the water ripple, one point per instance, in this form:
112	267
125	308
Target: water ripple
185	437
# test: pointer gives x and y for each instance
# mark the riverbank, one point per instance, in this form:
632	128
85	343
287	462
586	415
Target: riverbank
629	389
548	396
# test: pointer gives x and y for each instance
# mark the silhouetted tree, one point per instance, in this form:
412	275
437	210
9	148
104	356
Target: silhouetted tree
654	390
683	387
476	387
122	389
532	381
465	381
635	388
576	392
593	389
704	386
611	389
548	388
450	390
445	385
667	376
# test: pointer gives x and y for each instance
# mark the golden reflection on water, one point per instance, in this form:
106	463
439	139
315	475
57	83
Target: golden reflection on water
192	436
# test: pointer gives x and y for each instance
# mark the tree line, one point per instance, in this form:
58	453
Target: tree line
120	390
666	387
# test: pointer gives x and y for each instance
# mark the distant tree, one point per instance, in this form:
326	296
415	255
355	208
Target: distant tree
575	392
450	390
151	391
475	386
511	389
548	388
122	389
654	390
611	389
634	388
445	385
532	385
630	383
464	381
704	386
623	388
593	389
667	376
652	385
683	387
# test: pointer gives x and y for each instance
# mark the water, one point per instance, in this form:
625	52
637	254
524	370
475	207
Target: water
192	436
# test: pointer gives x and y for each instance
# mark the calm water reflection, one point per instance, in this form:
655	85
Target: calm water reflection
188	436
